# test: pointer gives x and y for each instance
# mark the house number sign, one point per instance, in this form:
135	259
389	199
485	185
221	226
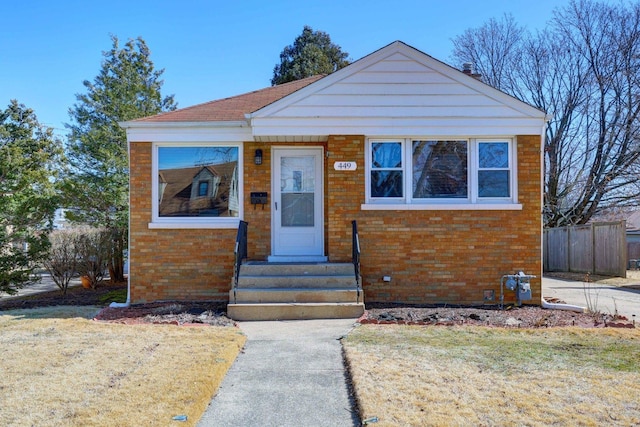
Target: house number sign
345	166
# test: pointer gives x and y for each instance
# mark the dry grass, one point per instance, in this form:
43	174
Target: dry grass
61	371
416	376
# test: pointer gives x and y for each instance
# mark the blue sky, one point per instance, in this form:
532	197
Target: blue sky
214	49
183	157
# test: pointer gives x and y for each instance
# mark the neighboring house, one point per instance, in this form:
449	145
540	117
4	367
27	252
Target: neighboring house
442	173
209	190
632	224
633	239
60	220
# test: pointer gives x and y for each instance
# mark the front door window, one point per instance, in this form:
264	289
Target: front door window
297	186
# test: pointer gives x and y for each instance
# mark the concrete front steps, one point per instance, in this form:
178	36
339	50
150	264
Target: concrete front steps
295	291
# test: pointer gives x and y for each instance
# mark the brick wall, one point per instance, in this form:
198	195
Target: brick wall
176	264
435	256
432	256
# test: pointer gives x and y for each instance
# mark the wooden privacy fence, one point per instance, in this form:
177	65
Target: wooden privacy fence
598	248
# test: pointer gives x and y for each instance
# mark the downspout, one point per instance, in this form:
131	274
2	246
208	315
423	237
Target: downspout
543	141
545	304
127	303
558	306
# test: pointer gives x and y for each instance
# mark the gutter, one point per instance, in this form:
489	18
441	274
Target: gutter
133	124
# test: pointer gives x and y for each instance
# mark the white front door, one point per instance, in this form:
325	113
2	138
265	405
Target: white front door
297	221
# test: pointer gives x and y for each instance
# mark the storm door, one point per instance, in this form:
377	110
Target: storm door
298	223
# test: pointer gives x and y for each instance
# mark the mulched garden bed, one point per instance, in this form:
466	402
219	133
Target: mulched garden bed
214	313
169	313
510	317
76	295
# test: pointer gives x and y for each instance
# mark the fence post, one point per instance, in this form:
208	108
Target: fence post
623	248
593	249
568	246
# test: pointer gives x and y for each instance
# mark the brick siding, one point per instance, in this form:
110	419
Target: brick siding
175	264
432	257
436	256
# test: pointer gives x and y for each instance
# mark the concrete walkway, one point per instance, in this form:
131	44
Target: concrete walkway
291	373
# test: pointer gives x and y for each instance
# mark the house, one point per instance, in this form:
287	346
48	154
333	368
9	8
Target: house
208	190
441	173
633	240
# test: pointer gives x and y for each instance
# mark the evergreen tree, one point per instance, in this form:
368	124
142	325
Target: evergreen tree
128	87
29	160
311	53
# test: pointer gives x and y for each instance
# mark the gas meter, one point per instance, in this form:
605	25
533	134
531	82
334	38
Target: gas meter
519	283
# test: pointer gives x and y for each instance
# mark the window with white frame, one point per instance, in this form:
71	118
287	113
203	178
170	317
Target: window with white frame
424	172
494	169
386	169
196	185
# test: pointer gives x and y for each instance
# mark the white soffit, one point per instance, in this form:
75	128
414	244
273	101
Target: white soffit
188	132
397	90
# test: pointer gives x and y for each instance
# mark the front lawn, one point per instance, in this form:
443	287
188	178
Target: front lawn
59	369
415	376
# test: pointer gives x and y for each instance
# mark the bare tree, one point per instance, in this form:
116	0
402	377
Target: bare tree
493	49
63	258
584	69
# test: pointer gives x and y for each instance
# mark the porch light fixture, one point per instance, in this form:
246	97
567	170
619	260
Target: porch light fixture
258	157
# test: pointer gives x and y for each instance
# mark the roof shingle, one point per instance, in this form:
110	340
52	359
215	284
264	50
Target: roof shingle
233	108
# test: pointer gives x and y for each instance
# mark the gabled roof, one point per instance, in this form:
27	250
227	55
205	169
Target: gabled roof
397	65
633	222
231	109
395	91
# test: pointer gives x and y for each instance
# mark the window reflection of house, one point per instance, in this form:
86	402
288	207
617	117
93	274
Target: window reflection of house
203	188
209	190
205	183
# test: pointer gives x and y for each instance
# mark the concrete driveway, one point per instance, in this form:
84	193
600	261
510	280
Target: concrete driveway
604	298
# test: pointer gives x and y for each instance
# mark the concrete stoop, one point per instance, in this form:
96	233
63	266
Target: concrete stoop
295	291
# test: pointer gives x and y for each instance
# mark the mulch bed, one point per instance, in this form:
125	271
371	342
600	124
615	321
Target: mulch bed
214	313
76	295
177	313
510	317
169	313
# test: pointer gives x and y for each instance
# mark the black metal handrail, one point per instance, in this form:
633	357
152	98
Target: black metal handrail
355	251
240	253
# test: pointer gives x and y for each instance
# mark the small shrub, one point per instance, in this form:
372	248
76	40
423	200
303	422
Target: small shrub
77	251
62	259
591	295
93	253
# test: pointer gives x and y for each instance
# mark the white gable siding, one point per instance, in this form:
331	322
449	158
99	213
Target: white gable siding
401	92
